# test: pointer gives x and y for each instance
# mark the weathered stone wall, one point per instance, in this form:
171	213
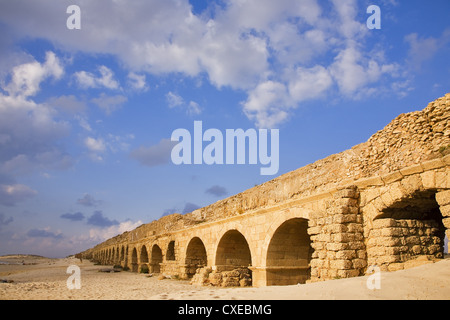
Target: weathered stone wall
383	202
393	243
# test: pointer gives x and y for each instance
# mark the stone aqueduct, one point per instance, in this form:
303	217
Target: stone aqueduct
385	202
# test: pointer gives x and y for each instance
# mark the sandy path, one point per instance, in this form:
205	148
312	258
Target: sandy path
46	279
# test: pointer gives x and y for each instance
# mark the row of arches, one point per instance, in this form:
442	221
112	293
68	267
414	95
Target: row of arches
288	253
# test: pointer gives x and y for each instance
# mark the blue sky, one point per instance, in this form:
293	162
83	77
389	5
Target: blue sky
86	115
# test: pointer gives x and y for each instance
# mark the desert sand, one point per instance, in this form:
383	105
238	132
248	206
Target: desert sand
39	278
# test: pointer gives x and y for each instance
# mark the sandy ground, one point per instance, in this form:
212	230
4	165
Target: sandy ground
46	279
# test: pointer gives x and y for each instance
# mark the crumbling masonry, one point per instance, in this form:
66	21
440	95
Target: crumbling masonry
385	202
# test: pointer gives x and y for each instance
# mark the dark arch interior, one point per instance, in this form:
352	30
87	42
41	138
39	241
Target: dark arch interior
289	254
233	250
171	251
195	256
156	259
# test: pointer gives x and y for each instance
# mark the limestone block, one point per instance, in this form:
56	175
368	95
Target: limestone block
441	180
392	177
443	198
384	223
344	218
230	282
348	273
411	170
336	246
392	232
446	159
445	210
446	222
428	179
368	182
346	254
355	227
336	228
433	164
346	193
359	263
341	264
314	230
412	183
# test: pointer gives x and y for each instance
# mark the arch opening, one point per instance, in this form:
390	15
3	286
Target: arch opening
170	254
134	260
143	266
233	251
289	254
195	256
156	259
414	227
144	255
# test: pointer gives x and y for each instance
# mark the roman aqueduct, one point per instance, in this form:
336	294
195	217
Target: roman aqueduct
385	202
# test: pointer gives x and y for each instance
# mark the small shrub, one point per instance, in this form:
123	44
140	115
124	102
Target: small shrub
144	269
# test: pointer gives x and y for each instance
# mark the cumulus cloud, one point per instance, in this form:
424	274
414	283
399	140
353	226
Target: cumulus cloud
5	221
189	207
11	194
423	49
88	201
99	220
102	234
30	133
44	233
271	50
77	216
26	78
104	80
174	100
155	155
217	191
137	81
69	104
109	104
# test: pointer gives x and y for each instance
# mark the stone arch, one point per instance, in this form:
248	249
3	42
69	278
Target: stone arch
156	259
122	253
143	257
406	227
233	251
196	256
289	254
170	253
134	260
279	219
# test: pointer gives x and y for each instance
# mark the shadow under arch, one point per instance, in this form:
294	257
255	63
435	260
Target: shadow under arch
233	251
289	254
196	256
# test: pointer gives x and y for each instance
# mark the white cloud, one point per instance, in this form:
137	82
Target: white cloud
26	78
423	49
174	100
137	81
30	135
109	104
104	80
267	104
10	194
244	45
309	83
102	234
